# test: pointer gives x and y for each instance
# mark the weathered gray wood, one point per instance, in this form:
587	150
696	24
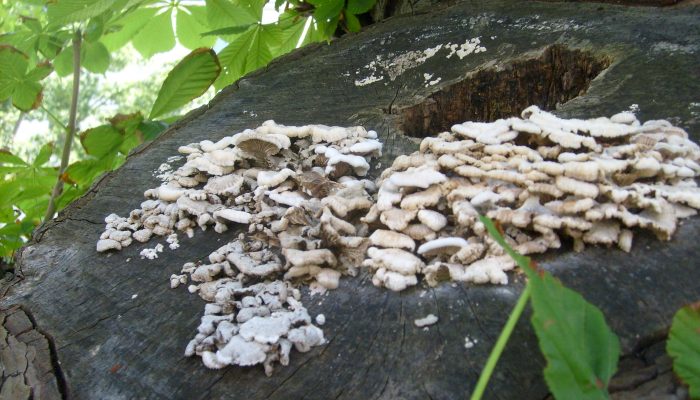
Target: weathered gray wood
112	345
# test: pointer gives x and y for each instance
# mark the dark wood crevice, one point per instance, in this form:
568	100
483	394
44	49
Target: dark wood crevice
556	76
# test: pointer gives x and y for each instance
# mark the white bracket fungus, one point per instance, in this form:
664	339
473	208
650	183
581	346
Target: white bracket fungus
311	218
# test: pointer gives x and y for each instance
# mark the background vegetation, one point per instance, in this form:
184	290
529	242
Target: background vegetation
60	61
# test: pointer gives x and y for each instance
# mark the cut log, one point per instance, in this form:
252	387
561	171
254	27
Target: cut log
119	331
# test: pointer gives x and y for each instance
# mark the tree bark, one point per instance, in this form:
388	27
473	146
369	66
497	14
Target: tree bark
119	331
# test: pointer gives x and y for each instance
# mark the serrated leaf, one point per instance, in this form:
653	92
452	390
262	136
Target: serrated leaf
13	66
289	36
121	31
23	88
225	13
684	347
101	141
189	79
40	72
352	23
259	54
156	36
191	25
360	6
314	35
327	9
94	57
580	349
61	12
27	95
233	59
44	155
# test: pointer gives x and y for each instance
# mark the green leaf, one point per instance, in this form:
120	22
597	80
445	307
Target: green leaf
61	12
8	158
156	36
684	346
360	6
259	53
121	31
44	155
580	349
189	79
231	30
40	72
63	63
101	141
289	36
27	95
352	23
226	13
94	57
13	66
191	25
327	9
94	29
15	82
151	129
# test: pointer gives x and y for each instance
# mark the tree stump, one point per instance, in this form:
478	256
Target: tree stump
118	331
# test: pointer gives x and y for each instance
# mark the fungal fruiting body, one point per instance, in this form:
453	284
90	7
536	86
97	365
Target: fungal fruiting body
541	177
300	193
310	215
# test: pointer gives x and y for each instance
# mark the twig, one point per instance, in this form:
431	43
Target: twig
70	131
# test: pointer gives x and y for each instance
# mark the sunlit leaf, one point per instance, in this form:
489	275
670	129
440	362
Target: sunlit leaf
63	63
360	6
94	57
156	36
684	347
191	24
121	31
16	83
61	12
259	54
27	95
94	29
44	155
101	141
8	158
225	13
289	36
189	79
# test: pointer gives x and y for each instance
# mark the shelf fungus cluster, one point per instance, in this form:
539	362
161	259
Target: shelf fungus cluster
542	178
310	215
300	191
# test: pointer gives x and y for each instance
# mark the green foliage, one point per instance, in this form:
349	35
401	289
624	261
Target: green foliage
18	81
580	349
38	38
684	347
24	195
190	78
